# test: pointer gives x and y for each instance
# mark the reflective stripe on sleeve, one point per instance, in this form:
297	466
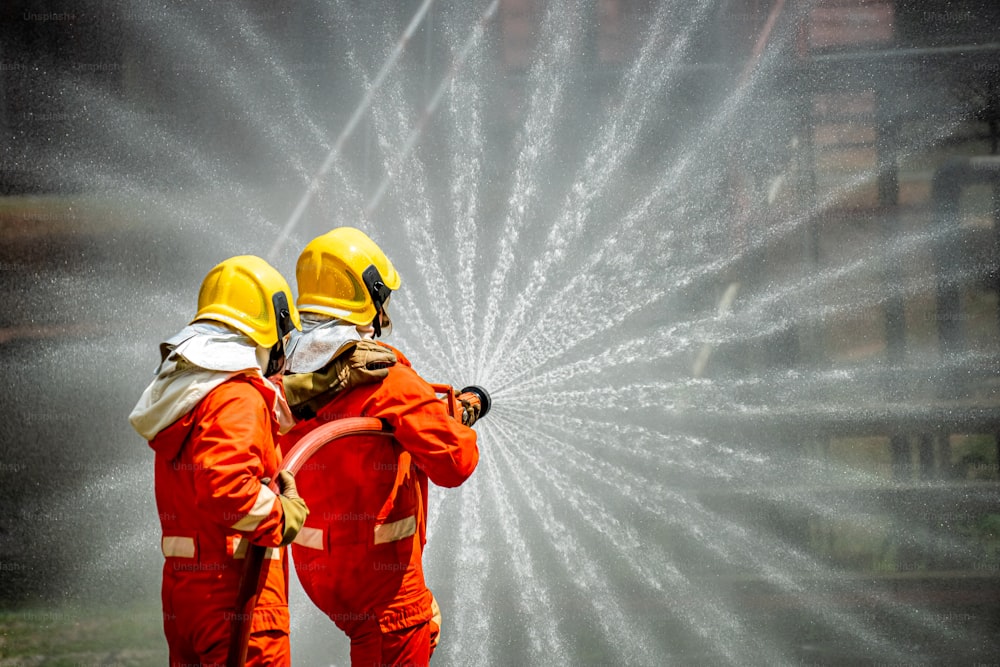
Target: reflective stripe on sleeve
397	530
177	547
311	538
261	510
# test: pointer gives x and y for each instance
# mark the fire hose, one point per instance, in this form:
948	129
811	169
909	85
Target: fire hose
254	574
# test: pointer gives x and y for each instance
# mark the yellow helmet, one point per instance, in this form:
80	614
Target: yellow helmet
344	274
249	295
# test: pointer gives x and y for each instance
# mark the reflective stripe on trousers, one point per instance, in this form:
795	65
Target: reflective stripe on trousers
312	538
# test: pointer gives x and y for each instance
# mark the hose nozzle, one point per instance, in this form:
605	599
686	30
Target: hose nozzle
481	395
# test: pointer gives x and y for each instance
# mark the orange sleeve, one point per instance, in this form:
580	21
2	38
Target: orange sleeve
234	425
440	445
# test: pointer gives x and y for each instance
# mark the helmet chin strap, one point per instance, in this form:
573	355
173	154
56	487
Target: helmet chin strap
284	326
377	323
275	359
379	294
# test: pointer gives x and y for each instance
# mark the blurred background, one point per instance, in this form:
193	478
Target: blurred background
730	268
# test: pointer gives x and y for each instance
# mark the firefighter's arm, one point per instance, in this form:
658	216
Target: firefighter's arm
233	426
439	444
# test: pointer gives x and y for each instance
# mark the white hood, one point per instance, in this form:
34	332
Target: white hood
195	361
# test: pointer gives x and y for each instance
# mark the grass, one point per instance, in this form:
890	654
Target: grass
129	636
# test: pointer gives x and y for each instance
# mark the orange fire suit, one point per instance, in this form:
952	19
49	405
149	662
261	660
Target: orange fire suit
359	555
209	465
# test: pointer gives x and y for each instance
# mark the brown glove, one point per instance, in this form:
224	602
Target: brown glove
362	363
471	407
369	362
292	505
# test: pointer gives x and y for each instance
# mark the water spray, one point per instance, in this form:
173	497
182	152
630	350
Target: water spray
417	131
352	123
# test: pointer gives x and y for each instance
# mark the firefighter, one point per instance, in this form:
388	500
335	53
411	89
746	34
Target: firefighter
359	555
212	418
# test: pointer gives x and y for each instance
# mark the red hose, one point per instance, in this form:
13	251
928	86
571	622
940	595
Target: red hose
254	573
313	441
